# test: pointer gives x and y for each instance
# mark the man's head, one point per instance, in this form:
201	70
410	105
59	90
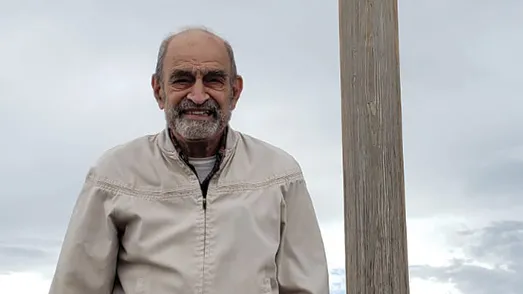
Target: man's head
196	84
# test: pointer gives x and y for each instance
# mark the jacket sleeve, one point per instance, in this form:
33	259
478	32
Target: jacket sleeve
301	260
87	261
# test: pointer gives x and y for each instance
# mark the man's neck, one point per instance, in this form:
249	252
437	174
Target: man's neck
199	148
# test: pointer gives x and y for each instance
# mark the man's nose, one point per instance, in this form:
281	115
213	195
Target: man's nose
198	95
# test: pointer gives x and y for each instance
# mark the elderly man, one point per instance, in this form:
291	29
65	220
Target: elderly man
198	207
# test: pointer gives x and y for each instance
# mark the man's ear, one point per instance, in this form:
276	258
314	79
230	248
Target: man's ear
237	88
157	91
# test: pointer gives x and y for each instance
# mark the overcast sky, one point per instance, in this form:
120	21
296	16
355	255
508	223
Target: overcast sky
74	81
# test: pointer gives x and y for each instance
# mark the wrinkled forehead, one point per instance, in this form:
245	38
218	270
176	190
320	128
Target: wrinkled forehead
197	52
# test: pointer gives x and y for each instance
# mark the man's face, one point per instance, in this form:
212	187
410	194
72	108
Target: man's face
197	91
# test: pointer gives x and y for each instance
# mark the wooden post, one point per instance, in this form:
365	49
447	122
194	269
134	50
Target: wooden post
374	189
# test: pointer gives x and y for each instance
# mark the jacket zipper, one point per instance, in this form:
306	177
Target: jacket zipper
204	203
204	188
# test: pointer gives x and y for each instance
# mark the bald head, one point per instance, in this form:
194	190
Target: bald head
192	36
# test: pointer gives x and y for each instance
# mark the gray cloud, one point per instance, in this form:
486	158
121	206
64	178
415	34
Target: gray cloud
21	253
493	261
16	258
498	184
461	111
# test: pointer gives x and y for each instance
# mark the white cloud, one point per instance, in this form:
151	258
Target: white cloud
427	286
24	283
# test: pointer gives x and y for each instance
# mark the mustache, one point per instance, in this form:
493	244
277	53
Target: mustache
187	104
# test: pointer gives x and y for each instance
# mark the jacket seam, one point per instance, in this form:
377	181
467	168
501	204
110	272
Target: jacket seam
271	181
116	188
189	192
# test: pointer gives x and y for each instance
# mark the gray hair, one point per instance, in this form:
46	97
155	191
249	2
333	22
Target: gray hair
165	43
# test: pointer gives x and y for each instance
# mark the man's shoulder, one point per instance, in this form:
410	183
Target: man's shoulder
264	159
123	157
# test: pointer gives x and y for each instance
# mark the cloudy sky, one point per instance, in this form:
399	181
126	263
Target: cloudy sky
74	81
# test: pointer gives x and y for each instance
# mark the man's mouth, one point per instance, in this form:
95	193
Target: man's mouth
193	113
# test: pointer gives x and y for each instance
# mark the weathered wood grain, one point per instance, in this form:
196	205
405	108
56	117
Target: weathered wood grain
374	189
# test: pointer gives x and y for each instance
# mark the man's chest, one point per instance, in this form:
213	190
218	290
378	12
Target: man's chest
176	225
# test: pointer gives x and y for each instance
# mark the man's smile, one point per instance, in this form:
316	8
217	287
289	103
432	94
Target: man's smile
198	114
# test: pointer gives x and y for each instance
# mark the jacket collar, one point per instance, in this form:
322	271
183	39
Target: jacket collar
170	146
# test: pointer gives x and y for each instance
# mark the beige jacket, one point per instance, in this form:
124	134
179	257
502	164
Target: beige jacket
140	227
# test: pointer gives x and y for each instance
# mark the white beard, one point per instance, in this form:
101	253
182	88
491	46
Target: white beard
190	129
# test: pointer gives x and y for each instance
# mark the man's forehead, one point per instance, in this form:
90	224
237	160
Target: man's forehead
182	66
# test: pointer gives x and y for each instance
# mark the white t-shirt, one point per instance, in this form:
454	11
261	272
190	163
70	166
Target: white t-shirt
203	166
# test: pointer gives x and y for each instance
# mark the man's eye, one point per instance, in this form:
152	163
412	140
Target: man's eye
181	81
214	80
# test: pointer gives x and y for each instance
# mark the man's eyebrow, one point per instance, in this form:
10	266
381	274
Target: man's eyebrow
215	73
181	73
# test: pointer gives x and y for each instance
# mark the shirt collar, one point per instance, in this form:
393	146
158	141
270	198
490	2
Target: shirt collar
220	153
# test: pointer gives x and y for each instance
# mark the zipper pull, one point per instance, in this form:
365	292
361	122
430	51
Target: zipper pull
204	203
